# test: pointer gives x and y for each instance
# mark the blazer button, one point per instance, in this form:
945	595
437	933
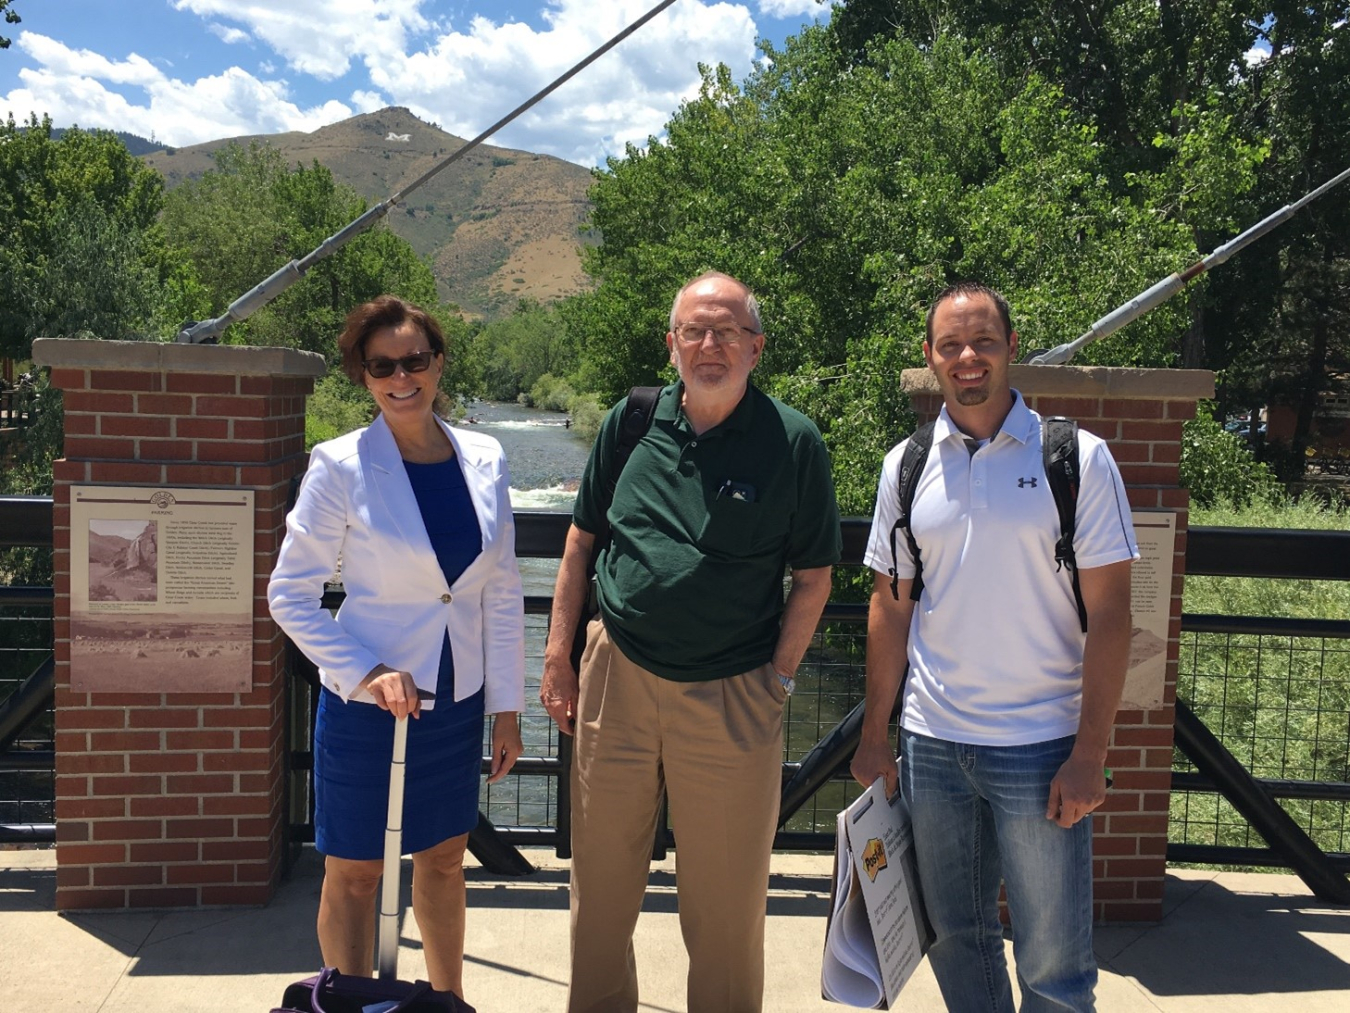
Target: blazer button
446	599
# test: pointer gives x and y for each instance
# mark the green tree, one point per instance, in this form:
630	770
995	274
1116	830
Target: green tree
11	18
80	248
1217	467
1223	111
95	280
1288	314
510	354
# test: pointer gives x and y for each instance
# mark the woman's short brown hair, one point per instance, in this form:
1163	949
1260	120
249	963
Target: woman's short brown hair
381	312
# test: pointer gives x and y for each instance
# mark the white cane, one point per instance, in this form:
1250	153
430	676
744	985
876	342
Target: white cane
393	848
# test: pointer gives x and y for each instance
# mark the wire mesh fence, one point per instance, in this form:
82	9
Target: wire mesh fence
26	793
1281	705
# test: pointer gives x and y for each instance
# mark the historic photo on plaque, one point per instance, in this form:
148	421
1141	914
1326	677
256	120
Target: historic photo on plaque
1151	607
123	560
161	589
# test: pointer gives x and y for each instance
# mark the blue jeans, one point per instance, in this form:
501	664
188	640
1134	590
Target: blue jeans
979	816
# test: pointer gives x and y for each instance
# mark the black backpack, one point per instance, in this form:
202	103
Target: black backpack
1059	456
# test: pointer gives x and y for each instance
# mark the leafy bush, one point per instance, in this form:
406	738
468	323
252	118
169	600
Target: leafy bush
27	471
510	355
1217	467
336	407
552	393
586	415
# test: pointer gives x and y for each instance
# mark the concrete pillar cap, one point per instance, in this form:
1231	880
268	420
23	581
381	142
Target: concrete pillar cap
169	357
1089	381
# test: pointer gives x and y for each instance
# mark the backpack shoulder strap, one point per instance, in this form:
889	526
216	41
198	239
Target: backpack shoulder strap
1059	453
912	461
637	419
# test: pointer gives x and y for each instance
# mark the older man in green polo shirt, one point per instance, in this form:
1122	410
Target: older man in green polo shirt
689	664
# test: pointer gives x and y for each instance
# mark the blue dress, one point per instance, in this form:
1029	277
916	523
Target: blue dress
353	742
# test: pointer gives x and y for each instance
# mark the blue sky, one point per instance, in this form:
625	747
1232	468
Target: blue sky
186	71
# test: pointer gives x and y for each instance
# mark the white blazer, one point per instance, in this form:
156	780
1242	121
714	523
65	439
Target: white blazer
356	502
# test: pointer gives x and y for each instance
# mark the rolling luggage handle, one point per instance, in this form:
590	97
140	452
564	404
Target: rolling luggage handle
393	847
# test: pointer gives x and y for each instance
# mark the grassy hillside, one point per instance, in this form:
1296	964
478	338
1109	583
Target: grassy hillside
497	225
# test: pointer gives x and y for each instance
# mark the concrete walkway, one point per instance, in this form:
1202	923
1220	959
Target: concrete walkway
1228	941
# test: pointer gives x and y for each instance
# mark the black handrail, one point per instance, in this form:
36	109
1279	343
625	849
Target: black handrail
1293	553
1267	626
1267	552
1275	787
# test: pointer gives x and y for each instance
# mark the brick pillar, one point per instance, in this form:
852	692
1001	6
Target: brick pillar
1139	412
174	799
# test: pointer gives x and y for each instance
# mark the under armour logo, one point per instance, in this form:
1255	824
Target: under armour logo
1023	483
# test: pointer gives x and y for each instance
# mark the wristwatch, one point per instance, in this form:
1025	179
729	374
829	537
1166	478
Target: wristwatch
789	683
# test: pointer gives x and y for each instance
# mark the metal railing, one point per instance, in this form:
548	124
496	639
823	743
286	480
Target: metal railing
1258	684
15	408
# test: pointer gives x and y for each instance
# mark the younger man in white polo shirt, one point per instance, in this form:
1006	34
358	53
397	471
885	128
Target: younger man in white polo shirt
1008	705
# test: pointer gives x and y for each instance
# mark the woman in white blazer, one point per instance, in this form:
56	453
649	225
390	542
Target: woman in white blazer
418	517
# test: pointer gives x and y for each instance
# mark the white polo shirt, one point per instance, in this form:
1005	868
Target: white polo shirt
995	646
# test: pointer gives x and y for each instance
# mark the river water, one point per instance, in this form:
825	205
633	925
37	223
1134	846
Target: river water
545	456
546	459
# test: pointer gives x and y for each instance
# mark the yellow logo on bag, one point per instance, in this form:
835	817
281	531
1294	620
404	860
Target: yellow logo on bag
874	858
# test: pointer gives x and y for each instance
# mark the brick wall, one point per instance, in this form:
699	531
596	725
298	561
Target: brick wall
1139	412
175	799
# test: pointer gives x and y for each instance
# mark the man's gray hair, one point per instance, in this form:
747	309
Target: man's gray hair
751	303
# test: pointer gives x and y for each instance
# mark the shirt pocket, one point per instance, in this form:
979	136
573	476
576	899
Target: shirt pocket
732	528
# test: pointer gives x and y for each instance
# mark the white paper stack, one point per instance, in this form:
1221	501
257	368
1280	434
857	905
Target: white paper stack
877	933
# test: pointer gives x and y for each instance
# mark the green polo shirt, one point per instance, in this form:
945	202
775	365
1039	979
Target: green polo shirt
702	528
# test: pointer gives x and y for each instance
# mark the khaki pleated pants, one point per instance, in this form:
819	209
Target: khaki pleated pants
716	749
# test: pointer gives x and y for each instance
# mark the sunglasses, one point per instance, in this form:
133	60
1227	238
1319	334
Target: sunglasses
382	367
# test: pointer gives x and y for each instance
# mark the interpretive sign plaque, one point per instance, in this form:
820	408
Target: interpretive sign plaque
161	590
1151	606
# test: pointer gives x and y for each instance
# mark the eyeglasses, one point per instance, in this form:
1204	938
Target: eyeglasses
381	367
693	334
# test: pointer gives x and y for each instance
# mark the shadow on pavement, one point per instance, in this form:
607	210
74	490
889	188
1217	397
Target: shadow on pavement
1222	940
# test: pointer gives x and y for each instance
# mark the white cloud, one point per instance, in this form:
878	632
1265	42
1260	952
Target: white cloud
368	101
72	86
1257	54
319	37
460	75
228	35
794	8
62	61
465	80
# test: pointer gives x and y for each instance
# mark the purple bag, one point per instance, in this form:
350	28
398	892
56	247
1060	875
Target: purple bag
331	992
